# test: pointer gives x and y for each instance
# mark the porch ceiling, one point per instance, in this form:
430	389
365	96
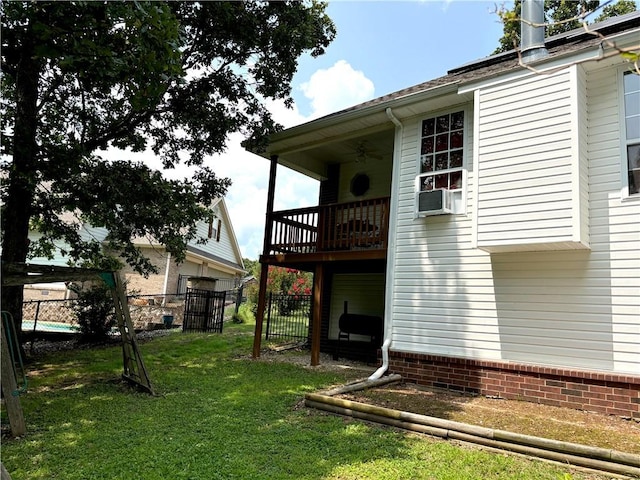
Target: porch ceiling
312	160
337	138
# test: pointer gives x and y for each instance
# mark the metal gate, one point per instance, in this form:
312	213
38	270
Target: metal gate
288	317
203	311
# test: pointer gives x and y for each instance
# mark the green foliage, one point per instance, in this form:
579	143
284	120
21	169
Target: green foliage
252	267
173	77
94	312
281	280
289	281
245	314
560	16
621	7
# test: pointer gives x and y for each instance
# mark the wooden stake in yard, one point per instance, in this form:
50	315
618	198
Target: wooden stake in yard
10	390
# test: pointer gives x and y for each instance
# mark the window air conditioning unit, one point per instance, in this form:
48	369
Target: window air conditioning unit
433	202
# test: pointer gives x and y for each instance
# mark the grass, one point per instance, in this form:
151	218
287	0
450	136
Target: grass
219	415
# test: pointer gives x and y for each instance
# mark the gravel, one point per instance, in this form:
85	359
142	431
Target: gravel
42	346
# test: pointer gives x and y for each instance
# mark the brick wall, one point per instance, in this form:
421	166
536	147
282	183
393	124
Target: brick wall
155	282
584	390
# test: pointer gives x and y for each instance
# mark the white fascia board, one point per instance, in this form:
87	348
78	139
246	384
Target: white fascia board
314	127
217	265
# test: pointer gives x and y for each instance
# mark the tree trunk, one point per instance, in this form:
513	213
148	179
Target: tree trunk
23	175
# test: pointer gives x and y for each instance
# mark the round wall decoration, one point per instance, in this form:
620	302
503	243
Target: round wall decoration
359	184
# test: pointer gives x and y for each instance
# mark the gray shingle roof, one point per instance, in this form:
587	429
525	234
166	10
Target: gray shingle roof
487	67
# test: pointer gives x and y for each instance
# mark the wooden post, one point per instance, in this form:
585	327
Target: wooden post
318	280
266	247
134	369
262	295
10	389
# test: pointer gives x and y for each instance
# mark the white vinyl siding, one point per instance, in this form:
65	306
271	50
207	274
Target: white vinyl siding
443	301
615	223
574	308
532	192
364	293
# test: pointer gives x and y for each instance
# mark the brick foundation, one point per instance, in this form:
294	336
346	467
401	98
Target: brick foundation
585	390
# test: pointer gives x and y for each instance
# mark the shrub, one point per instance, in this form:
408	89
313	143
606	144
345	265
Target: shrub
244	315
95	314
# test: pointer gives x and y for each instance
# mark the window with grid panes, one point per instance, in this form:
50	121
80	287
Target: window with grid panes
631	86
442	152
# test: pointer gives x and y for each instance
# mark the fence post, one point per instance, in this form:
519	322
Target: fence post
266	334
35	320
239	298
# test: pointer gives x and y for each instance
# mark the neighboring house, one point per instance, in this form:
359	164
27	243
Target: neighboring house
491	217
219	257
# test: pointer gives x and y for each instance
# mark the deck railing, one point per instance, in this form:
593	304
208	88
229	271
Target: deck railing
343	226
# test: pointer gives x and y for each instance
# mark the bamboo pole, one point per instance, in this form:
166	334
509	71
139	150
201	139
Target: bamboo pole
362	385
575	454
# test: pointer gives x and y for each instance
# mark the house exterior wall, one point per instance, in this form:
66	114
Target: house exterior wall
548	326
222	248
615	221
154	283
214	258
531	194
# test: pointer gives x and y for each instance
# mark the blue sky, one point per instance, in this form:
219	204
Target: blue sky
381	46
401	43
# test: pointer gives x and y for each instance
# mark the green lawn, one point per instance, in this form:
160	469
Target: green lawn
218	415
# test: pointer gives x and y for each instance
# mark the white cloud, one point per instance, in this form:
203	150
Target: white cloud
337	87
329	90
247	196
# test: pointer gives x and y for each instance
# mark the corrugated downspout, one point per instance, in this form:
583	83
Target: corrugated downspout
532	31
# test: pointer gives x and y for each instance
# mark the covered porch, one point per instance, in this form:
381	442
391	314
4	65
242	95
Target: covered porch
347	233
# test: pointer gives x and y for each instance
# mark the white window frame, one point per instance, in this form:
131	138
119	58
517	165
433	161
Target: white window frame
624	141
460	203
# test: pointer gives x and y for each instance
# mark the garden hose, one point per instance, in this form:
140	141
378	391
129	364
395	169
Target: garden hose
12	339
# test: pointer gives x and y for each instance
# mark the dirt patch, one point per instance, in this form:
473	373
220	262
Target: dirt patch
528	418
565	424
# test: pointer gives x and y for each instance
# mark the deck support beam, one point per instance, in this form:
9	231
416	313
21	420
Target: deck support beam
264	268
318	282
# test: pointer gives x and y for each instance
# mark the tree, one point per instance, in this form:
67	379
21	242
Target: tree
560	16
281	280
252	267
173	77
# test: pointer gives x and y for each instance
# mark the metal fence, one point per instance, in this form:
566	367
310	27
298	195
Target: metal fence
60	311
203	311
288	317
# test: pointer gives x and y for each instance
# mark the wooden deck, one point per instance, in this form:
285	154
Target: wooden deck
337	232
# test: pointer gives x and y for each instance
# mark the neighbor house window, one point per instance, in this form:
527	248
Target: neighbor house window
215	225
442	152
631	86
